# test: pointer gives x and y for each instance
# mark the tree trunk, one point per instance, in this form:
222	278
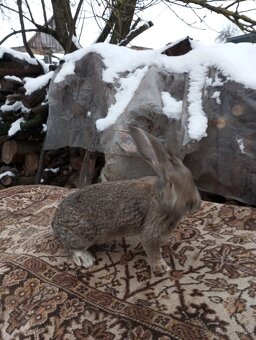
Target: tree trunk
64	24
124	12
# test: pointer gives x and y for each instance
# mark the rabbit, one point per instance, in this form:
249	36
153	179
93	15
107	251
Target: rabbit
149	207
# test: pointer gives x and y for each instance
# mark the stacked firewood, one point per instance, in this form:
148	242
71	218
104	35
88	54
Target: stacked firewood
23	116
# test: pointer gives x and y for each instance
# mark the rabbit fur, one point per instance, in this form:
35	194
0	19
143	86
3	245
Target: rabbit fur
149	207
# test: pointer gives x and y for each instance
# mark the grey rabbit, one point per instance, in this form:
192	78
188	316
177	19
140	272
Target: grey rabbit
149	207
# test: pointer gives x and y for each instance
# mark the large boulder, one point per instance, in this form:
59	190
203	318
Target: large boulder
200	105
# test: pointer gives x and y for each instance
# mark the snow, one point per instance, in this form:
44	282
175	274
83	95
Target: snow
7	173
76	42
18	55
125	93
67	69
242	148
234	61
216	95
13	78
33	84
172	108
217	81
15	127
18	105
197	121
240	143
55	170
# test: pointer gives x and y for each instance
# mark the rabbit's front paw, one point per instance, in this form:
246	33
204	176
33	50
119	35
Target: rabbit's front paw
83	258
160	267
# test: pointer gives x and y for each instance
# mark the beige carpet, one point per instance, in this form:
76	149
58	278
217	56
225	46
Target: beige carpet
209	294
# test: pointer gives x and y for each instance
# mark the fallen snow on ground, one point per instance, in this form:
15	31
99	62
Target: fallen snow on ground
235	61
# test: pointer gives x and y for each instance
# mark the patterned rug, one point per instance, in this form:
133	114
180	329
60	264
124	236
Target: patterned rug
209	294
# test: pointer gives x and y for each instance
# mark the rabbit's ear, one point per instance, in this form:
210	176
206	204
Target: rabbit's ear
150	148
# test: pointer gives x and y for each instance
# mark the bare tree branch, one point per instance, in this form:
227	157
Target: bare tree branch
29	9
13	10
17	32
245	23
19	3
134	33
44	12
107	29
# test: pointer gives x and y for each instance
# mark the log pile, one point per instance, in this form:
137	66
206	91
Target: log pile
23	117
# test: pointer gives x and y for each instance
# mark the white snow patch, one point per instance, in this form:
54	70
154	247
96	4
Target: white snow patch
240	143
18	55
13	78
55	170
217	81
172	108
15	127
216	95
7	173
33	84
128	86
76	42
44	127
197	120
18	105
208	81
89	114
66	69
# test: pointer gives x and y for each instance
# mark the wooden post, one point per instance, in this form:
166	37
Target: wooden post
88	168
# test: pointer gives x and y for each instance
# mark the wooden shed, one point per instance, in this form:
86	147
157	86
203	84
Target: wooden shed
43	44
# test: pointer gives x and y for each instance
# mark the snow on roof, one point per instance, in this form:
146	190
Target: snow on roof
237	62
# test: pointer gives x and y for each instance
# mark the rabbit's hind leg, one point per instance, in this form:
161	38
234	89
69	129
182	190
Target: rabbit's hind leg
83	258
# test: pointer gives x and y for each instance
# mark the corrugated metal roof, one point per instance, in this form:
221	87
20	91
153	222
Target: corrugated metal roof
249	37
